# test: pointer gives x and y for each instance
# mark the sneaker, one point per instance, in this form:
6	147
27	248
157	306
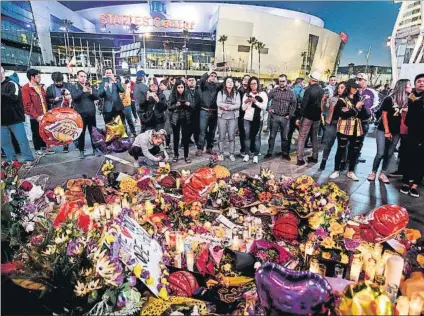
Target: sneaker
312	160
383	178
286	156
372	176
255	159
267	156
232	158
246	158
396	174
199	152
28	164
81	155
39	153
404	189
334	175
50	152
300	163
414	192
210	151
352	176
97	152
220	157
322	165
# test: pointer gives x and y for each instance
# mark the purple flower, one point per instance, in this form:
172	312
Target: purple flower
159	286
74	248
30	208
321	232
90	246
132	280
145	274
121	301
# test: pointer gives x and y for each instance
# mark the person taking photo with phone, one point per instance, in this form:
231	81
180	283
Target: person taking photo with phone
84	95
109	90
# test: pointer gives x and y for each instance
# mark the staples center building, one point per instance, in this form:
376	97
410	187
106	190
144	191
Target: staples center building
294	42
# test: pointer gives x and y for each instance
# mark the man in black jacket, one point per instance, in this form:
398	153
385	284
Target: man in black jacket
109	90
310	115
208	112
83	96
414	120
12	120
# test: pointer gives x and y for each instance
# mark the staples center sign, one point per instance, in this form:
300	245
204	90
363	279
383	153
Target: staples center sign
114	19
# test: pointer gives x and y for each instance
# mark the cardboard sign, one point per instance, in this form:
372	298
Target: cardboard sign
136	243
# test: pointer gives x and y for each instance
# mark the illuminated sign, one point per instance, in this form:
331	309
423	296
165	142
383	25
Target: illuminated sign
115	19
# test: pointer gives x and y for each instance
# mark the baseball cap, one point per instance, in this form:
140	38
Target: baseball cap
361	75
351	83
141	73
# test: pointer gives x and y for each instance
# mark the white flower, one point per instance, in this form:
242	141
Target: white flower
29	227
35	193
323	202
257	265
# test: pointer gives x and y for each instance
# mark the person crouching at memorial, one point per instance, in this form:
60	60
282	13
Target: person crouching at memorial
84	95
147	148
414	120
109	90
254	103
350	112
12	120
181	108
35	105
58	95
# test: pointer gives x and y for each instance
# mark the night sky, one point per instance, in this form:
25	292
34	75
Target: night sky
366	23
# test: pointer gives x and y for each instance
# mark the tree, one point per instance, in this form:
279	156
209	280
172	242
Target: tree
223	39
251	41
327	73
259	46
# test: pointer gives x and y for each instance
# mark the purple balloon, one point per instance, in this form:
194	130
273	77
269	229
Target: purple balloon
120	145
98	140
283	291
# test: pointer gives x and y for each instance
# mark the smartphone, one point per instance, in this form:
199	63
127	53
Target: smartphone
364	97
88	84
106	79
221	64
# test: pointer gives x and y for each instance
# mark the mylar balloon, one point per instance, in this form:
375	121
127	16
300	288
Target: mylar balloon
283	291
115	130
60	126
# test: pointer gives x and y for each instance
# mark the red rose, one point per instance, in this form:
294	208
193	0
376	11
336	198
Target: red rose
16	164
3	175
26	186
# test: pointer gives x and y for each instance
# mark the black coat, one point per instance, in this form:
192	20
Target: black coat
12	109
208	92
51	94
83	102
153	112
182	112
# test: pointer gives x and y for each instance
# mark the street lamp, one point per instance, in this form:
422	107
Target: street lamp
144	36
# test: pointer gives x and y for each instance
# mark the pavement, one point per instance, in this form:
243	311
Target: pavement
364	195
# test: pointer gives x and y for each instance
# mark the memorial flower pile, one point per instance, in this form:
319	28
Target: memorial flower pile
207	241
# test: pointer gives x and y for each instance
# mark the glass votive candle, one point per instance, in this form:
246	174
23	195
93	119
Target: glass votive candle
314	266
415	305
370	271
338	271
322	269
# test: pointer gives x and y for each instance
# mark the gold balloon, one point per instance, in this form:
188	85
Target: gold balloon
115	130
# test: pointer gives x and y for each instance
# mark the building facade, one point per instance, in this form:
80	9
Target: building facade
406	42
164	35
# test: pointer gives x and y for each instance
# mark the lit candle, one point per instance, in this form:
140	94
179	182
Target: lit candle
149	208
379	268
116	209
355	269
415	305
167	239
314	266
102	209
393	271
179	247
309	248
177	260
402	305
235	244
370	271
190	260
366	255
386	255
125	203
178	183
377	252
107	213
172	239
96	212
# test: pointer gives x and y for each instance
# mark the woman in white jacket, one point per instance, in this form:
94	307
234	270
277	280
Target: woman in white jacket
229	102
254	102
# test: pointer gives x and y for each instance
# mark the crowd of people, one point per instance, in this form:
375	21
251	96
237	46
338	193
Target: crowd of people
191	111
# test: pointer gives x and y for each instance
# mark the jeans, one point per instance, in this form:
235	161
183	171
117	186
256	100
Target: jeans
305	126
6	142
90	122
208	122
385	150
241	134
182	126
36	138
27	125
292	128
355	143
365	129
133	109
278	122
250	141
329	138
258	138
224	127
128	116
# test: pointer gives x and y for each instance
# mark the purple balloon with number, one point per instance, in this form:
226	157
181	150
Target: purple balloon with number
285	291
